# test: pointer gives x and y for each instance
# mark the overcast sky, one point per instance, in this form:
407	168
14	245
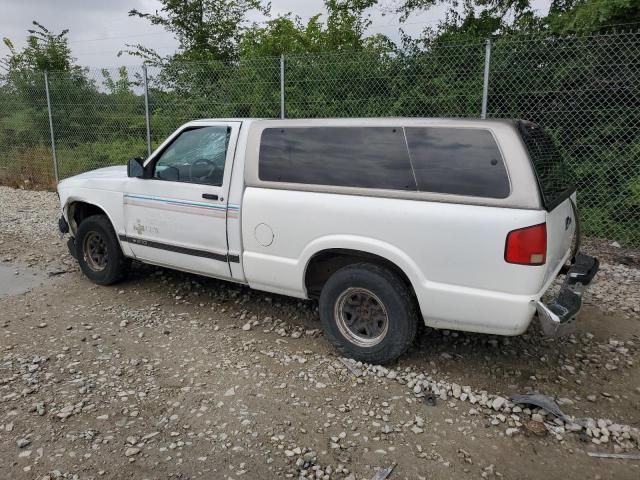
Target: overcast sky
98	29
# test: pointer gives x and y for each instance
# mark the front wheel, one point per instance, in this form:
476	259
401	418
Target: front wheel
99	253
368	313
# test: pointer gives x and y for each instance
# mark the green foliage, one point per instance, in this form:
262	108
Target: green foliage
45	50
591	15
205	29
552	70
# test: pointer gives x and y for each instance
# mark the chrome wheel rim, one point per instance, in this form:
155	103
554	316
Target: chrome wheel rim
361	317
94	249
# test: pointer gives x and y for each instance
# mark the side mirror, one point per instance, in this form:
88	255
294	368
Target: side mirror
135	168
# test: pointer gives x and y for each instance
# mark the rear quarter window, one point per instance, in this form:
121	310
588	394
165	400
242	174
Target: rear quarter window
554	176
365	157
459	161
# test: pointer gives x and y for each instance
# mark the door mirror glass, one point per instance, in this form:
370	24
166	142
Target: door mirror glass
135	168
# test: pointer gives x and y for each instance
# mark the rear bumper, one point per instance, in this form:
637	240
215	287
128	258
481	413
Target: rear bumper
557	317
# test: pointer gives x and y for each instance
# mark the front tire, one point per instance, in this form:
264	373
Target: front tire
368	313
99	253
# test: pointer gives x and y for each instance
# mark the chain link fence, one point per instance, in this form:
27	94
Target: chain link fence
583	89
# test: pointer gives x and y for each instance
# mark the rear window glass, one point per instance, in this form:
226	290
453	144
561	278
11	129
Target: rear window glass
369	157
554	177
458	161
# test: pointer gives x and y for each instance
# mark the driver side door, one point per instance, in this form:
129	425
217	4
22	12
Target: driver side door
177	215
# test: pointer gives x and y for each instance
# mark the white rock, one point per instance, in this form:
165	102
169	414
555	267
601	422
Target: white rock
498	403
456	390
129	452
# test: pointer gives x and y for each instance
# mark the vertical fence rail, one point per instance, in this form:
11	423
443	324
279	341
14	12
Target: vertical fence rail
146	108
282	111
53	139
485	84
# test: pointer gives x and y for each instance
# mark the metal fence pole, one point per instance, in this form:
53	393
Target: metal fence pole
485	86
53	139
282	113
146	108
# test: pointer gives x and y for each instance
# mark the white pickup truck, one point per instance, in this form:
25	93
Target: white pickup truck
462	224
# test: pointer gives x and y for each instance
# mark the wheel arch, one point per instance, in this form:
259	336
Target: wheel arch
324	262
78	209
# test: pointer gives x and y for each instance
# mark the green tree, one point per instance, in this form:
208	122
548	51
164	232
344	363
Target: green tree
345	29
45	50
570	16
206	30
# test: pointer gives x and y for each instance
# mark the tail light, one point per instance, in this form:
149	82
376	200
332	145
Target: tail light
527	246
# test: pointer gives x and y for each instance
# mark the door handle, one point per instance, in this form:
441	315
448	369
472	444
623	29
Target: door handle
210	196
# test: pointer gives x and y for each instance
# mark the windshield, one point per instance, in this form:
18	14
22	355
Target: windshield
554	177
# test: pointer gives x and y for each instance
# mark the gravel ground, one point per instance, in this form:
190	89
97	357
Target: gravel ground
169	375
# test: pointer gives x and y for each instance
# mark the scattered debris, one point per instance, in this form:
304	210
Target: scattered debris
384	472
622	456
430	399
348	363
54	273
543	401
535	427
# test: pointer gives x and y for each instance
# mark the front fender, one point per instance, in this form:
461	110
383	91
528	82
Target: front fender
110	202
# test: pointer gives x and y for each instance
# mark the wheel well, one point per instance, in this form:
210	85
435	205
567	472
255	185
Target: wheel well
324	264
78	211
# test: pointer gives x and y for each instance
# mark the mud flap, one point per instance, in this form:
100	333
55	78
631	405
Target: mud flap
71	245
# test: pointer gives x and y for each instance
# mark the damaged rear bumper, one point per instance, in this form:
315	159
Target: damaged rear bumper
557	317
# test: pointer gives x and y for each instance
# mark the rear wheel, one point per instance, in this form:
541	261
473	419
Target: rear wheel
99	253
368	313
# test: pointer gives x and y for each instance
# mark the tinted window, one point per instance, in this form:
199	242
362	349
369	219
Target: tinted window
197	155
551	169
458	161
373	157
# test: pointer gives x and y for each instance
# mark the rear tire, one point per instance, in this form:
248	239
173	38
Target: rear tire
99	253
368	313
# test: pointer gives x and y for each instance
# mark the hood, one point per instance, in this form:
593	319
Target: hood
107	173
119	171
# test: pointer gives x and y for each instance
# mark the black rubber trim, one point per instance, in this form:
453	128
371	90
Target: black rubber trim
221	257
63	226
576	217
71	245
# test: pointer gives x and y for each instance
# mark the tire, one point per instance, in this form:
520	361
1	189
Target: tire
354	304
107	264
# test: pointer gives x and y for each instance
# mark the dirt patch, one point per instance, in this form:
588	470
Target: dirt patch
169	375
15	279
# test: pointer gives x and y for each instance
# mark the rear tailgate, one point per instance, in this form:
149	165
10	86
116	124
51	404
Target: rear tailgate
561	227
556	190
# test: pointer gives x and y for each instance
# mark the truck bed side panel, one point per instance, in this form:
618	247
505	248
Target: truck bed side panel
453	254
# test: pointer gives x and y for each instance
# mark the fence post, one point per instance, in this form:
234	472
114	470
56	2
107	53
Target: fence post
146	108
485	86
53	139
282	113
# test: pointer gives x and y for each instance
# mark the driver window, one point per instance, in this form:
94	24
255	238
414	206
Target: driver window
197	155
